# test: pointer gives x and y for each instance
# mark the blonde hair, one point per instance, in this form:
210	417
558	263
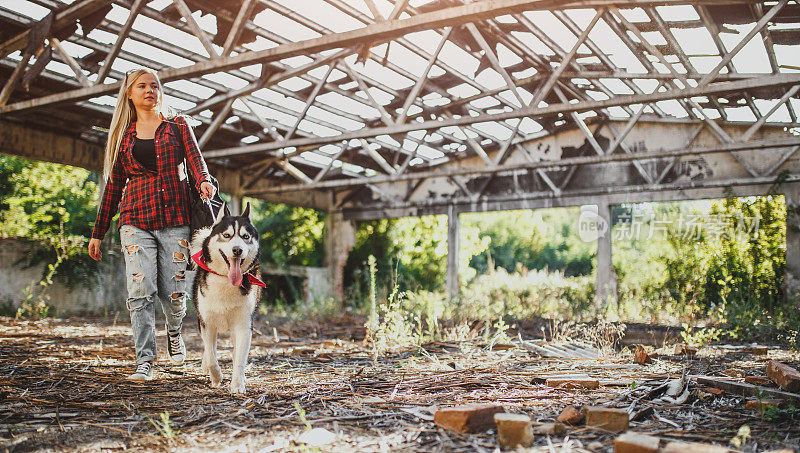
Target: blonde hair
124	113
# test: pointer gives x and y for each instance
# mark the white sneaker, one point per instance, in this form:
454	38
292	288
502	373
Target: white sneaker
144	372
176	349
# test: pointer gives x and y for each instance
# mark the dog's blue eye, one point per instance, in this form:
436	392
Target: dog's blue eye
226	235
245	237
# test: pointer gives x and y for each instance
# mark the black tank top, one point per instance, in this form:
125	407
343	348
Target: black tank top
144	151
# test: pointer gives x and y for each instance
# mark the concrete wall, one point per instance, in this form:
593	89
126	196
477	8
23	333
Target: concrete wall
106	297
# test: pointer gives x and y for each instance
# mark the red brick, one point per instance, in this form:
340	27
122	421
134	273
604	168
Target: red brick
607	418
513	430
632	442
785	376
470	418
571	416
756	380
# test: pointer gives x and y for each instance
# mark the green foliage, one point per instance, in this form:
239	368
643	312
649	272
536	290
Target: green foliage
410	252
39	197
733	269
524	294
53	207
544	239
289	235
164	426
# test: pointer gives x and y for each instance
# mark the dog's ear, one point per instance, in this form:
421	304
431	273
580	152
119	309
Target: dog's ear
226	210
219	214
246	212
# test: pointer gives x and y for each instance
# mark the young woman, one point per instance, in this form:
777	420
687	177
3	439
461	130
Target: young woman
146	180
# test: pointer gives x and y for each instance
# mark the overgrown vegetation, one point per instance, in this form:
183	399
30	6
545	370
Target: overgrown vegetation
52	207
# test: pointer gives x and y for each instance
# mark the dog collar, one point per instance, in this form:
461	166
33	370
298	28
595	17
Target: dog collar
198	259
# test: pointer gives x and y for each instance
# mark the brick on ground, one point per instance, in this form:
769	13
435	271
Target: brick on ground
469	418
640	355
514	430
571	416
691	447
785	376
606	418
632	442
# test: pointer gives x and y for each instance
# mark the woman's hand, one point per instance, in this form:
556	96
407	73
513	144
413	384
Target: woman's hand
206	190
94	249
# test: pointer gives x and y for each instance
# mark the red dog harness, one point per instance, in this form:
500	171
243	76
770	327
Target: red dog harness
198	259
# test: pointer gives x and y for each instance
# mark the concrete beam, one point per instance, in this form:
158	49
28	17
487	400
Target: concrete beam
583	160
606	290
619	195
792	277
453	282
46	145
340	238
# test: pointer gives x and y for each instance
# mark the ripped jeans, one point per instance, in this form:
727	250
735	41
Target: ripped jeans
155	266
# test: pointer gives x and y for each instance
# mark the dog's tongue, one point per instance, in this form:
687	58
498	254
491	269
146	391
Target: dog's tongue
235	272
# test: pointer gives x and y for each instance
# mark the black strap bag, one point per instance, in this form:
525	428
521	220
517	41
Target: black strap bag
200	210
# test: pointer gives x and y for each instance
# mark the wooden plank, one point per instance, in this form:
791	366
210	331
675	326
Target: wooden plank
743	389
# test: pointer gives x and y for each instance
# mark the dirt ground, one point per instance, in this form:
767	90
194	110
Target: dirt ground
62	388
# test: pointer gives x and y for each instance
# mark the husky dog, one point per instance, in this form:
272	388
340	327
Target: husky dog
226	290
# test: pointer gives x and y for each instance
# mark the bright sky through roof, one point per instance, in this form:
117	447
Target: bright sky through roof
333	113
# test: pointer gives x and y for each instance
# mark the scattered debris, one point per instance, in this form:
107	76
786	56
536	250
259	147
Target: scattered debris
471	418
59	387
514	430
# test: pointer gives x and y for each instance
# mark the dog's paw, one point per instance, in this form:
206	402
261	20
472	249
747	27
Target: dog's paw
237	388
215	373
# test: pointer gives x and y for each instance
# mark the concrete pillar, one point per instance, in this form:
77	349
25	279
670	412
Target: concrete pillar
606	277
453	247
792	277
235	205
340	238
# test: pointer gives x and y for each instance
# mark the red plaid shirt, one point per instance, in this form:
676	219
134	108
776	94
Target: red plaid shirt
151	200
